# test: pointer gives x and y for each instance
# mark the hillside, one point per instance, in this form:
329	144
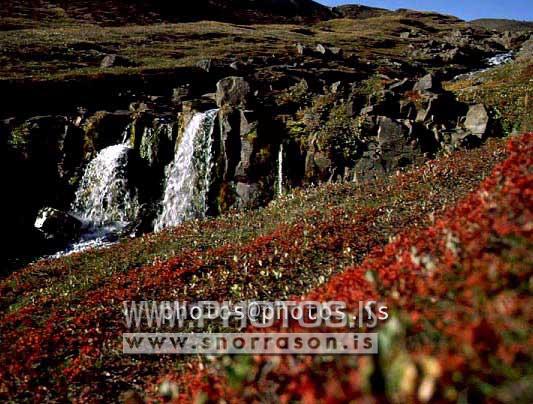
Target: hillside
502	24
42	13
459	331
287	249
263	150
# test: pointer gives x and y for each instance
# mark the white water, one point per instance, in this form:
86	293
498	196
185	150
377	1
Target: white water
501	59
498	60
280	170
104	197
188	177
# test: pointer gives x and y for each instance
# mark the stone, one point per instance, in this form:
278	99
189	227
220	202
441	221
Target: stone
400	86
395	148
526	52
57	225
233	92
405	35
321	49
114	61
108	61
477	120
248	195
427	83
104	129
338	52
205	64
180	93
303	50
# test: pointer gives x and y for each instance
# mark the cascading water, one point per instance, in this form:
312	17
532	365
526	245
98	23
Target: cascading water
280	170
104	197
188	177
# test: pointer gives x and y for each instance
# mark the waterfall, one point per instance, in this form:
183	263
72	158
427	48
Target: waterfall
280	170
188	177
104	197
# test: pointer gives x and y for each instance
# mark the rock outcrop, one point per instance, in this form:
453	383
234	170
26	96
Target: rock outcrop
57	225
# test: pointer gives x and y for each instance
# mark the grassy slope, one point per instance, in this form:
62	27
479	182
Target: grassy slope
460	298
502	24
53	53
61	319
508	89
56	13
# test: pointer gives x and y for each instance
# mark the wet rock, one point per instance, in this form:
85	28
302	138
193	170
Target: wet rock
180	93
477	120
233	92
104	129
57	225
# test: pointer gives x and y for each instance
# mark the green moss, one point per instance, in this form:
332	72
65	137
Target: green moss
252	136
20	137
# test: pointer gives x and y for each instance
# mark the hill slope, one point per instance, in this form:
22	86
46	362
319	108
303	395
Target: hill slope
39	13
297	243
502	24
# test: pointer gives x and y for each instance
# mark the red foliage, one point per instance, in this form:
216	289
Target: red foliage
471	289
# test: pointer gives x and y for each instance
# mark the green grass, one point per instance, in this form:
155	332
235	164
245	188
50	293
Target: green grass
61	51
507	89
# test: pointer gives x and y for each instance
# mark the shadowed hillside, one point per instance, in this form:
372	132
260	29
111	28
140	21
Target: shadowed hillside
33	13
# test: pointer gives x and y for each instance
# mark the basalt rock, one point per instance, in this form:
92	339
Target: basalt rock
115	61
477	120
526	52
395	148
104	129
234	92
249	196
57	225
428	83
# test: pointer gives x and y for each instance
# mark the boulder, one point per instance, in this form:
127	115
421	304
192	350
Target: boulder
205	64
322	49
248	195
104	129
115	61
526	52
57	225
395	148
180	93
477	120
427	83
233	92
303	50
400	86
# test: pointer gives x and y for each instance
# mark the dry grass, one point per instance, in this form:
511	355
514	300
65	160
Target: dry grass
53	53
